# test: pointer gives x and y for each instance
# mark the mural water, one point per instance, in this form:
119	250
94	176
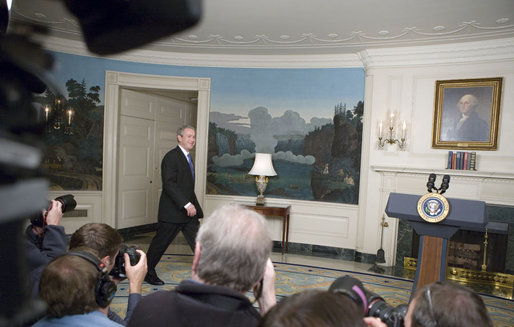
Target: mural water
287	184
319	161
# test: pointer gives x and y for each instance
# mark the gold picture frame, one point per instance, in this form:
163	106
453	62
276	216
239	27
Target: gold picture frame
467	114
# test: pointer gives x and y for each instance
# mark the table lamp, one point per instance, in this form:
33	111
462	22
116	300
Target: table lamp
262	168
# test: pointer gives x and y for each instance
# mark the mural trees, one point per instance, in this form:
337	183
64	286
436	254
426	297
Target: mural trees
319	160
74	142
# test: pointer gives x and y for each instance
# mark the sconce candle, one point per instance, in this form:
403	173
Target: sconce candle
58	114
47	112
70	113
390	137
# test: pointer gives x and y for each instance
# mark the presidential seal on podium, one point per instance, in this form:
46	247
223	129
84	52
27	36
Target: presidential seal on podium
433	207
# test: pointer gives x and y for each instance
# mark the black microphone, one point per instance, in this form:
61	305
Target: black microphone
445	184
431	182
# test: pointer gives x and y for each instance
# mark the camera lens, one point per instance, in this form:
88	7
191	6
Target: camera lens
373	304
68	202
353	288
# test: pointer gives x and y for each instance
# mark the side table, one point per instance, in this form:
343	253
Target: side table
282	211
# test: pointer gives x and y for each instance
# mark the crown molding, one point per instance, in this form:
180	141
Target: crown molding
211	60
458	53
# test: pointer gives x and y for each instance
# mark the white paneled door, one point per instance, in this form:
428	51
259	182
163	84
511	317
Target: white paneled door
136	171
147	131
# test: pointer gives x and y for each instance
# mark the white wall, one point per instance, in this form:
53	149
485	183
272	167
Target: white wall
402	79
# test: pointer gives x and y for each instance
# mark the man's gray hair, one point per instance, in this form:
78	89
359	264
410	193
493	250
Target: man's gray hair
181	129
235	246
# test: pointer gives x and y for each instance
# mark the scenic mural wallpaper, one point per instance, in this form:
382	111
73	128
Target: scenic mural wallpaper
310	120
311	123
318	161
73	137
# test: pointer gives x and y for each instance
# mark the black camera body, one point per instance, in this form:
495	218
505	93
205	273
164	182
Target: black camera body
118	270
372	304
68	203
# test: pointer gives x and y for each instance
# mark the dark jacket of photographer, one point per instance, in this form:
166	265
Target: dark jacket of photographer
41	250
195	304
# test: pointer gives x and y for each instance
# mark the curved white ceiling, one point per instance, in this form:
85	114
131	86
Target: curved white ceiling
278	27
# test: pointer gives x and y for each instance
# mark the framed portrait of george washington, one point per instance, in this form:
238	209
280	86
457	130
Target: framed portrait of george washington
467	114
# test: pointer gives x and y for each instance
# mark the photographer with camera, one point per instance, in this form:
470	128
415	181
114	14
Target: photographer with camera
318	308
45	239
120	261
447	304
371	304
77	290
231	257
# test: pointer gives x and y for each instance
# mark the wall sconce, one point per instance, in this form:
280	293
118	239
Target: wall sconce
262	168
390	137
54	120
58	114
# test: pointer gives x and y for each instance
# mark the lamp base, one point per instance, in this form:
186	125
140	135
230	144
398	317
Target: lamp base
260	200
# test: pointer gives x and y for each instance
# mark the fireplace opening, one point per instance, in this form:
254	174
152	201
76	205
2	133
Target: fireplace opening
483	249
476	258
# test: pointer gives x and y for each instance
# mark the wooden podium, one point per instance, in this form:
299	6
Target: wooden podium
434	237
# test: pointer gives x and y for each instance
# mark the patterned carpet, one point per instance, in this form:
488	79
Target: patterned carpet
293	278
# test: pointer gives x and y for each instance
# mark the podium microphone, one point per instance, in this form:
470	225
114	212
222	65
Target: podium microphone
431	182
445	184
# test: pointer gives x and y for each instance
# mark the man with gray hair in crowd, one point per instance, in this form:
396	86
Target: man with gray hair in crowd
232	256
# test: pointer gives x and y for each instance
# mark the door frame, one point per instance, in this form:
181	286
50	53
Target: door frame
114	81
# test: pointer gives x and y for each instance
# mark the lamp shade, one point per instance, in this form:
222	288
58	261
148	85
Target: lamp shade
262	165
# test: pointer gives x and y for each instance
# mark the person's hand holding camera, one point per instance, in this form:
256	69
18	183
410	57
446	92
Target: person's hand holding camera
374	322
136	274
52	216
54	213
267	298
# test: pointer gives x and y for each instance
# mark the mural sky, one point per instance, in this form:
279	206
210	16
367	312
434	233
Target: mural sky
291	102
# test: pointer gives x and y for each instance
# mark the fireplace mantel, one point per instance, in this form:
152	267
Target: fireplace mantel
474	174
491	187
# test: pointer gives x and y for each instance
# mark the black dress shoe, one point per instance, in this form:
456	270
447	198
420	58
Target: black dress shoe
153	279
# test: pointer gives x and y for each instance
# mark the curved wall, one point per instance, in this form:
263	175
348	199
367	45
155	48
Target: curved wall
400	79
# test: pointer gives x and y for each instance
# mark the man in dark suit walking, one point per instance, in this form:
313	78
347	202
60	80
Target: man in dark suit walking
179	209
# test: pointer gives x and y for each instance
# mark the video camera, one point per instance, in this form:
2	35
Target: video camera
68	204
372	304
25	68
118	270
